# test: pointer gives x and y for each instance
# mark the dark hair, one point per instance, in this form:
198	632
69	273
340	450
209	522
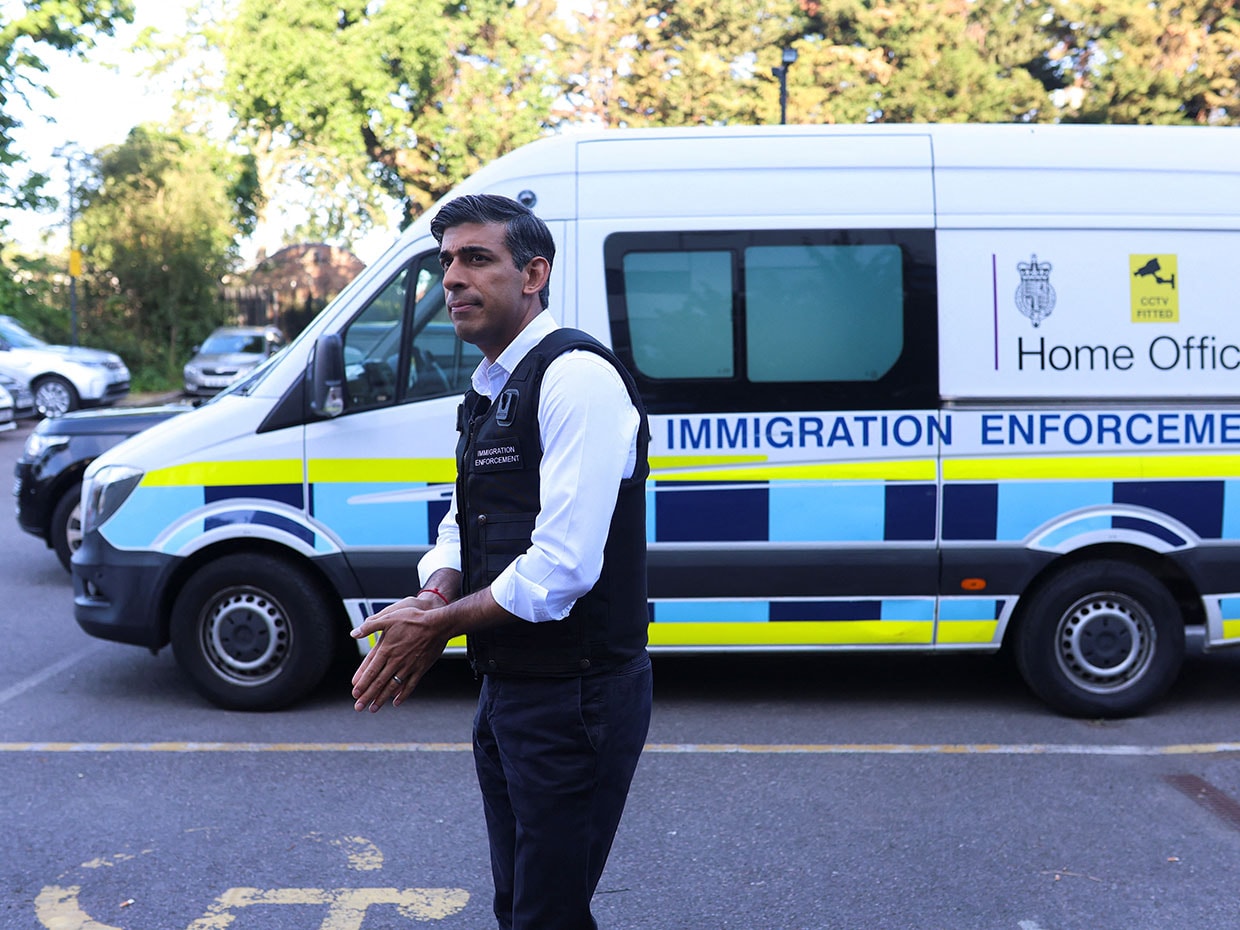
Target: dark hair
525	235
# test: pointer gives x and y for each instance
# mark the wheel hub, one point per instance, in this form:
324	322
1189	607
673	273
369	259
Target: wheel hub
247	634
1105	642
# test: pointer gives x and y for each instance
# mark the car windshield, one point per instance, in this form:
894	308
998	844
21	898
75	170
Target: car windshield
230	343
15	335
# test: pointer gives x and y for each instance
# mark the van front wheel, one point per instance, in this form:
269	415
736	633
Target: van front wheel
1100	639
252	632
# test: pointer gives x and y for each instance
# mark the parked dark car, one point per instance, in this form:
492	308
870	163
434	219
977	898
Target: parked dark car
48	484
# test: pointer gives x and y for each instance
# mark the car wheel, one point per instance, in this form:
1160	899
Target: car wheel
66	527
54	396
1100	639
253	632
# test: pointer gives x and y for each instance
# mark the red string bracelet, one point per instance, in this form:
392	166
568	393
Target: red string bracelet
434	591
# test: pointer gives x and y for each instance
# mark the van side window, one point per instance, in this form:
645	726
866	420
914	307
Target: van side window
402	346
776	320
679	299
823	312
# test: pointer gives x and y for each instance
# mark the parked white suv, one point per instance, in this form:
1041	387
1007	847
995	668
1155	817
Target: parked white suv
62	378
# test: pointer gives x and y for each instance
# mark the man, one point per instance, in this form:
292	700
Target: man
541	561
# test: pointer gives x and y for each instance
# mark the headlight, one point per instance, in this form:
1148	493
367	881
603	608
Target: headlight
105	491
39	444
191	372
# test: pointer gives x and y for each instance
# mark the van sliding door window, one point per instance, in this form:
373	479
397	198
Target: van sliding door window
402	345
776	320
823	312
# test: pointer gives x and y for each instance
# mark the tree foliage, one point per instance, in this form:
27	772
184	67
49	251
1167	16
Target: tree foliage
406	95
686	63
920	61
410	96
26	288
63	25
159	226
1133	61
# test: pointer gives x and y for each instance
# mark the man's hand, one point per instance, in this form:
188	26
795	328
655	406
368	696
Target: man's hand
410	643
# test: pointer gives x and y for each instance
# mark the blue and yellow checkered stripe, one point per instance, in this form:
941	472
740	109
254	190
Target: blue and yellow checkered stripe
1010	511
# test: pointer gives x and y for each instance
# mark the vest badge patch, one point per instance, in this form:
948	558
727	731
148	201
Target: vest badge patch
498	455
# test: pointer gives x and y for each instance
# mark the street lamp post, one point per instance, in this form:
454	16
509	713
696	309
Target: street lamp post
71	153
75	260
781	72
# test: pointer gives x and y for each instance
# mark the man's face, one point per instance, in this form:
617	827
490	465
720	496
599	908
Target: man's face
489	300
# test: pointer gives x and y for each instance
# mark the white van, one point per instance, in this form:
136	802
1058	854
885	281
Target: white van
929	388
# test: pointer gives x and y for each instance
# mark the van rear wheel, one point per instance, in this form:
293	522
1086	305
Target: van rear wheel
253	632
1100	639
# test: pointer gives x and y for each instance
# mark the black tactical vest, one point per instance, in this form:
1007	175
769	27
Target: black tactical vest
498	455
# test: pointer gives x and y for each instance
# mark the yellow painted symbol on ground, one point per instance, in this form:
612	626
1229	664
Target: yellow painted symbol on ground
364	856
346	907
58	907
1155	288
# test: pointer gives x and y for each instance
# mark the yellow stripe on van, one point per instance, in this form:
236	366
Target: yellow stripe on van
387	471
794	633
1101	467
966	632
708	470
217	474
1231	629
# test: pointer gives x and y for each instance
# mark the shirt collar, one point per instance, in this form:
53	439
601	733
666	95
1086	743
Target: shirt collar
489	377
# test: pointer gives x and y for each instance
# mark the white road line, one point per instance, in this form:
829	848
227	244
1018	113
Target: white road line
50	672
823	749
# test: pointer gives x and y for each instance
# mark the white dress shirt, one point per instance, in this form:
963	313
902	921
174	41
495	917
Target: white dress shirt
588	426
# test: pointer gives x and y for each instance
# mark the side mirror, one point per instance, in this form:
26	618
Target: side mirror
326	377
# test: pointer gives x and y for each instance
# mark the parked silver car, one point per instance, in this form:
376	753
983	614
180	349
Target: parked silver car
227	354
62	378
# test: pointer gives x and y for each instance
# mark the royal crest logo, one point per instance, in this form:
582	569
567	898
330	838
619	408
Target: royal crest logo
1035	297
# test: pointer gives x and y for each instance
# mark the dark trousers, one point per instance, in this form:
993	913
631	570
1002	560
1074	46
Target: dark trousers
555	757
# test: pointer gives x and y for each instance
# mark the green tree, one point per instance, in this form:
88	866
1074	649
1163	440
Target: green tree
920	61
1136	61
33	290
159	229
60	25
685	63
63	25
407	97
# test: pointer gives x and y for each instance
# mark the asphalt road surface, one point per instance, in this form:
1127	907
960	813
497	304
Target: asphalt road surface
802	792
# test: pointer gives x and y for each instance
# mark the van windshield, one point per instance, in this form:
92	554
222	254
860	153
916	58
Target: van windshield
245	385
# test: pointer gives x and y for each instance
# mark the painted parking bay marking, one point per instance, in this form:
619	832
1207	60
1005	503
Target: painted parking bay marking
59	906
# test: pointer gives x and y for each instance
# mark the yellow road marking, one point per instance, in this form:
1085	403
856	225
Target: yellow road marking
826	749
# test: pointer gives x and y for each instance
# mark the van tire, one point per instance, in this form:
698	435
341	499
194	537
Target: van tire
253	632
1100	639
54	396
65	529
